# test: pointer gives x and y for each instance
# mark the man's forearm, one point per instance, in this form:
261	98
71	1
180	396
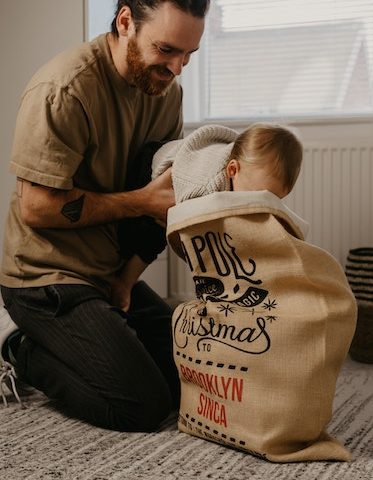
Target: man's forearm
44	207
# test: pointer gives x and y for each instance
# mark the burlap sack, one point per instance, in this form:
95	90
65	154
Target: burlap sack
260	348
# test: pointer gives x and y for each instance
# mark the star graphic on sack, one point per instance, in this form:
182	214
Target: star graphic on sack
270	304
226	309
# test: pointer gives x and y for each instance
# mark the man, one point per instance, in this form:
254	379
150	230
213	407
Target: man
82	120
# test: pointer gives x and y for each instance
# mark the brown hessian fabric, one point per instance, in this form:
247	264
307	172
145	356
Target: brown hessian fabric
260	348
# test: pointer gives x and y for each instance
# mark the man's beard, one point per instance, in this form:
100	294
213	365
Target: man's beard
140	75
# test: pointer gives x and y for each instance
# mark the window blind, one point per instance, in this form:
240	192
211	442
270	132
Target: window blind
284	58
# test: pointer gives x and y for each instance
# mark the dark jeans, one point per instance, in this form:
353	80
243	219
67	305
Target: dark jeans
104	366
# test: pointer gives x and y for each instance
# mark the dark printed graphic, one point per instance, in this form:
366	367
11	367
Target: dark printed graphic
204	430
218	248
208	288
253	339
213	336
246	307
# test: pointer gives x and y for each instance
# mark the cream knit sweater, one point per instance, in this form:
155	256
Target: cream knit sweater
198	161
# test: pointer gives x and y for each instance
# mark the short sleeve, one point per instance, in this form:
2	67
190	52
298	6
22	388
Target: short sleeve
51	136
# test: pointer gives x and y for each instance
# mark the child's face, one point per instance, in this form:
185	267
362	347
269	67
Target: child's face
247	177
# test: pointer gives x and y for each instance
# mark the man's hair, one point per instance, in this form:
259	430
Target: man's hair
141	8
266	142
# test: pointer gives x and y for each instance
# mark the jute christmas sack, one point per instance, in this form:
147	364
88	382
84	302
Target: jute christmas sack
260	347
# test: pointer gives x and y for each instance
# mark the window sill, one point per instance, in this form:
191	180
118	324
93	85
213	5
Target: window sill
289	120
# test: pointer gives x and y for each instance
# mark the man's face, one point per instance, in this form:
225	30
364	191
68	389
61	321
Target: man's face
161	48
141	75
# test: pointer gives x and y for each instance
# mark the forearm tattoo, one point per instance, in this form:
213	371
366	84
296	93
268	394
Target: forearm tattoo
73	210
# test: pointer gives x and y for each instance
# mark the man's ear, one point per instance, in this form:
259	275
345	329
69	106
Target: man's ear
124	21
233	167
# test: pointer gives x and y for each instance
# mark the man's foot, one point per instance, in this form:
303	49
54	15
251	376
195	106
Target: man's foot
8	374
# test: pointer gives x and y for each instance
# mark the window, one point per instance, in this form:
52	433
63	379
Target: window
283	59
99	14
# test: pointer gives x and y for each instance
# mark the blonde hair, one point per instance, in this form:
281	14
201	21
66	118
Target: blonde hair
270	143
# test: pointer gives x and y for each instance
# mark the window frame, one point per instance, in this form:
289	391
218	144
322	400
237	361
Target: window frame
194	84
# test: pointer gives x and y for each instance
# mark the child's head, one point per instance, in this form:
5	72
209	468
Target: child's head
265	157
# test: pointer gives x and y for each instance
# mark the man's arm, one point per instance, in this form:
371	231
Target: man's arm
45	207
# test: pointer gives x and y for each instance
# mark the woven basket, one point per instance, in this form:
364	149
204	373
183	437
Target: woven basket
359	271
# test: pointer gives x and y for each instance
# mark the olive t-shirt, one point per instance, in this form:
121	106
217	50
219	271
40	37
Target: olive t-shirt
78	125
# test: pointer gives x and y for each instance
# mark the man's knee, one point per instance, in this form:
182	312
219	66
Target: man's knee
141	416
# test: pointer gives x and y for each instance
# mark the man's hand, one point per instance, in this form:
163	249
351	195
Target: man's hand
161	197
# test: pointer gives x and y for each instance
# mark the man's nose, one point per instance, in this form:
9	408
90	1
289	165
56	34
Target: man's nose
177	63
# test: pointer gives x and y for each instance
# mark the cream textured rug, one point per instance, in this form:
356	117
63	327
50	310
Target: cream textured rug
40	443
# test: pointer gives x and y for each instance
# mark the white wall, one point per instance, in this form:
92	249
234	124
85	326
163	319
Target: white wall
31	32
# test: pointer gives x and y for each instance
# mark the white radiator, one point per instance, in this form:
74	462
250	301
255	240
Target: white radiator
334	193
